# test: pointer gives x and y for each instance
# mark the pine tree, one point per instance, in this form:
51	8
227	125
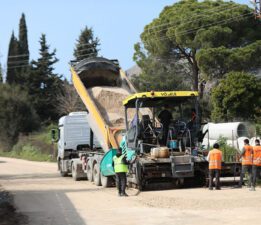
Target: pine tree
43	84
86	45
212	37
12	75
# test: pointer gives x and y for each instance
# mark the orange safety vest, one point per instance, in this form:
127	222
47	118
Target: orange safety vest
247	157
215	159
257	155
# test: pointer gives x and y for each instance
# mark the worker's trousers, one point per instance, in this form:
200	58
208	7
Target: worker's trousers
256	170
121	181
165	134
216	173
248	169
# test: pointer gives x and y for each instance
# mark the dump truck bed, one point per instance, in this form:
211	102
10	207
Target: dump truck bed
102	86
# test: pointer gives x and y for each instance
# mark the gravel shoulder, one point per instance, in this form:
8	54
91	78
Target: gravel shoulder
46	198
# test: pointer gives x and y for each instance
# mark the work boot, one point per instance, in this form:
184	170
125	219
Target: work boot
252	189
124	194
218	188
210	188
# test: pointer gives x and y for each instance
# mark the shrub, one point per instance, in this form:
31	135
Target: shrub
229	153
16	115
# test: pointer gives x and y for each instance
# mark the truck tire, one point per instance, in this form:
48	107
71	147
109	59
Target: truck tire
62	173
74	172
89	171
179	182
106	181
96	175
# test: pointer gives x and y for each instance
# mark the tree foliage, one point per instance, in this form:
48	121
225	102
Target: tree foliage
43	84
87	45
16	115
216	62
12	76
18	56
23	40
1	74
68	100
238	96
161	74
190	29
23	50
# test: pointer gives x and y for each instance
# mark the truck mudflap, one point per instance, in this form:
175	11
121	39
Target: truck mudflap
182	166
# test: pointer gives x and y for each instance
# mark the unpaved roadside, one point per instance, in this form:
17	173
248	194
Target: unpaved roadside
48	199
8	213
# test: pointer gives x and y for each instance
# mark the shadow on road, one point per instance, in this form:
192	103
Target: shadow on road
48	207
28	176
8	213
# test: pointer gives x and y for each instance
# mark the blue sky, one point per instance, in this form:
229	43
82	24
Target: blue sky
117	23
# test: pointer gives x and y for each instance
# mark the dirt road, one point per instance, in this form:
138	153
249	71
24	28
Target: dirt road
48	199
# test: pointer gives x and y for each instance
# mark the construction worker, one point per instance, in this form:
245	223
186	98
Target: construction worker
120	165
247	161
165	118
215	159
192	120
256	168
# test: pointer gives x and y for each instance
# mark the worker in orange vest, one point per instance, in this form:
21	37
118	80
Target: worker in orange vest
247	161
256	168
215	159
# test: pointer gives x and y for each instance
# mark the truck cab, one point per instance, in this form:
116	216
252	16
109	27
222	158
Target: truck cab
74	136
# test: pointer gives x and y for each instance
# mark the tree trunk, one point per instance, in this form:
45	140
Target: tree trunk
195	71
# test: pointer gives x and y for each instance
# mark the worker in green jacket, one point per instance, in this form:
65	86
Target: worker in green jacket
120	165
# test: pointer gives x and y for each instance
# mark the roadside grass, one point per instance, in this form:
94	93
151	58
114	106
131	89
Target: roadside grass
28	152
37	146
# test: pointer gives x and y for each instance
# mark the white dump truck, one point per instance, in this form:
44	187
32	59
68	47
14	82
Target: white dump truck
73	139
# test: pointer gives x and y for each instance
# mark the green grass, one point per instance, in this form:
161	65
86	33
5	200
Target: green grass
28	152
37	146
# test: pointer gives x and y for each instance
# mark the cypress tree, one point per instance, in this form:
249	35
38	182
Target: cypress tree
1	74
43	84
86	45
23	50
13	66
23	40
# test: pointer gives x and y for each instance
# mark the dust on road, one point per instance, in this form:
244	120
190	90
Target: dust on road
48	199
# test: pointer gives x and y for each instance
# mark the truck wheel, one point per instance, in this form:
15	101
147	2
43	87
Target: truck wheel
74	172
179	182
63	174
96	175
89	171
106	181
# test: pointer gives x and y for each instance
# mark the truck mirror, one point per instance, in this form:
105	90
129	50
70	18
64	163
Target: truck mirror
54	135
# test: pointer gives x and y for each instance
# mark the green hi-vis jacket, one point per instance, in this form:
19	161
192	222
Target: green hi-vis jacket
119	166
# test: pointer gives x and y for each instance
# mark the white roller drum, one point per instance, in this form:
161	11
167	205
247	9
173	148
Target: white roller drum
227	130
212	142
252	140
241	143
